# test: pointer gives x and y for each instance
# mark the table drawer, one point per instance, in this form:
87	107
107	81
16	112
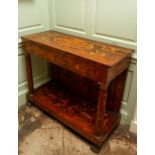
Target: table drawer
73	63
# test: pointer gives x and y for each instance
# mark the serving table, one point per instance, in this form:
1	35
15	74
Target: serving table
87	82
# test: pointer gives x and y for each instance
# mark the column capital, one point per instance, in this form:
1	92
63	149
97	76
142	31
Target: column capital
103	86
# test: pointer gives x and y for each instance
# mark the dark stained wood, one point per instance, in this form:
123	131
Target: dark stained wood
87	83
73	110
29	73
117	69
77	84
100	113
75	64
115	93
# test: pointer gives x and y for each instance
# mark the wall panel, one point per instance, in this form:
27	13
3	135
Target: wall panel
130	93
67	14
116	19
33	17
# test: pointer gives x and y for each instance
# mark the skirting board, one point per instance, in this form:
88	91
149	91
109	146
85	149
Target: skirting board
124	116
38	81
133	127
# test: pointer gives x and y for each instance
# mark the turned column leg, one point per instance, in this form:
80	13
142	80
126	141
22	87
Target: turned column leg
103	90
29	74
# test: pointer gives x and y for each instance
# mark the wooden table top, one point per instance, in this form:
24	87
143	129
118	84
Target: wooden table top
102	53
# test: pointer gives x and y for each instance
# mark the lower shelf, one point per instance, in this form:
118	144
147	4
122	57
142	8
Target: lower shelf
74	111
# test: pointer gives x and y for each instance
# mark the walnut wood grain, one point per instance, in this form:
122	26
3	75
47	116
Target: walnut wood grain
102	53
88	79
100	113
29	73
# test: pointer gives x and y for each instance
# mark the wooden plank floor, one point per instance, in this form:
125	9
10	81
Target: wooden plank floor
40	134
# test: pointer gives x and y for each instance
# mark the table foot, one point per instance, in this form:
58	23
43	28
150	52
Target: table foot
95	148
28	103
